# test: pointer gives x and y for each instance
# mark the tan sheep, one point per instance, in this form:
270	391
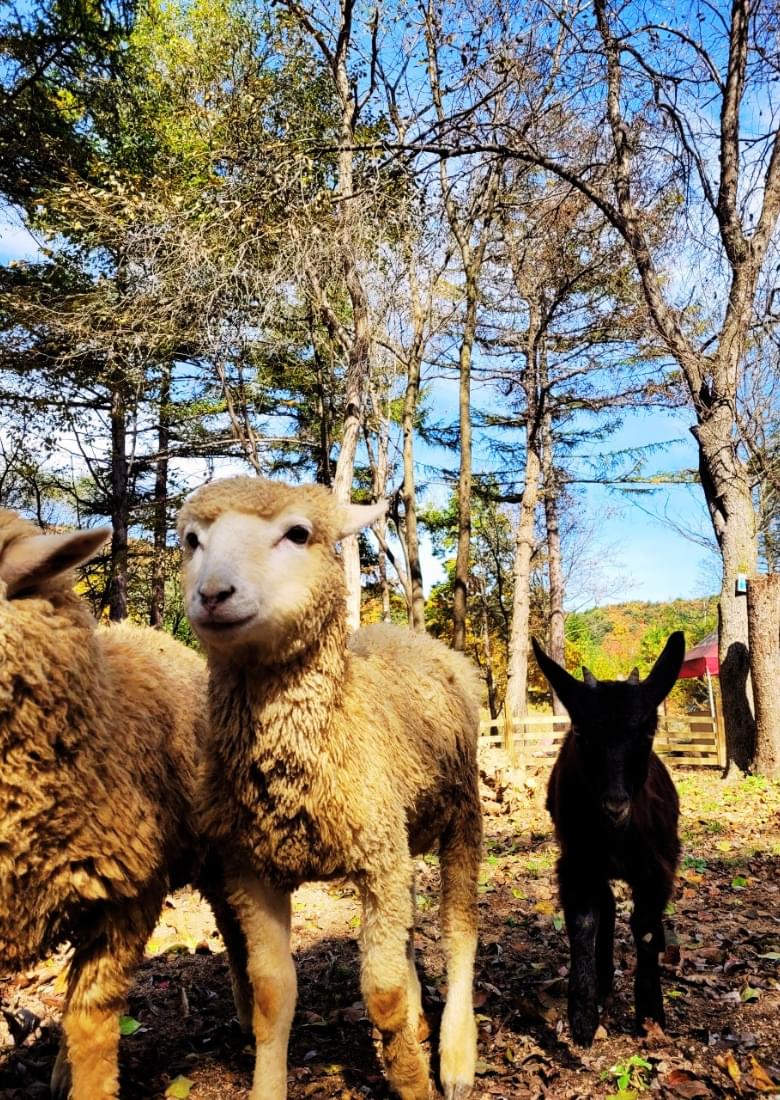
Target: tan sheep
99	747
329	758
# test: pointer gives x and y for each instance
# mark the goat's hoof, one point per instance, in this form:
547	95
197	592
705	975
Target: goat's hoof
60	1075
583	1032
457	1090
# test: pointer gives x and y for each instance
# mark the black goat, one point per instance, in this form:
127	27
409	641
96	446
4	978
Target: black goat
615	812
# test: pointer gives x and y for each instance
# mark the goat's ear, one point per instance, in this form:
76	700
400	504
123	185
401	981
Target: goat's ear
633	676
588	677
30	562
662	676
354	517
569	691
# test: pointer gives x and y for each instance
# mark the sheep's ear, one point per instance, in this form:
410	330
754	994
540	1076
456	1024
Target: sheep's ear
30	562
354	517
571	692
664	672
588	677
633	676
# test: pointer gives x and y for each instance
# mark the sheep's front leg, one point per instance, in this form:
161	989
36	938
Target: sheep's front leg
98	982
264	915
461	850
386	980
581	910
648	930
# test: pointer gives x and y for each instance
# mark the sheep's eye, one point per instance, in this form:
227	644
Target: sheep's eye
298	534
192	541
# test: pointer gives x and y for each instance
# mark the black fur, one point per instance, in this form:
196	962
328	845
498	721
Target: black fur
615	811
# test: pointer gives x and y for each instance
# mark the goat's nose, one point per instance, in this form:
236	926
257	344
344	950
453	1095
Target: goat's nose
617	809
212	598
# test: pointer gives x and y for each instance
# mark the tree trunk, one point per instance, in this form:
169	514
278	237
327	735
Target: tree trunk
487	645
460	598
160	531
517	665
120	506
557	637
763	602
727	492
409	494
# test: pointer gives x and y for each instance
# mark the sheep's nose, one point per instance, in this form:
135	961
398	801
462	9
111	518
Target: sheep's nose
212	598
617	809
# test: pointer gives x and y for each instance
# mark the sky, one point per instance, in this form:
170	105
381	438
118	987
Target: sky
633	553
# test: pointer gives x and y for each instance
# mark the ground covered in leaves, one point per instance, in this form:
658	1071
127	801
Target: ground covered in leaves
721	978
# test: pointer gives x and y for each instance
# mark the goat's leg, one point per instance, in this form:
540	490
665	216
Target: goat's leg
580	901
264	916
385	977
98	982
605	939
460	853
647	926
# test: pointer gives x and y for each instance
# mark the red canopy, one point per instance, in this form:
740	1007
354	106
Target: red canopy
703	658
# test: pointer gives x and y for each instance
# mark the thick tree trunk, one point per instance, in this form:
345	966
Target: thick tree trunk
120	506
160	531
764	633
727	492
517	665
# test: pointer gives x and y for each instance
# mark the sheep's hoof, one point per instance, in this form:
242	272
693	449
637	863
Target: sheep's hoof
457	1090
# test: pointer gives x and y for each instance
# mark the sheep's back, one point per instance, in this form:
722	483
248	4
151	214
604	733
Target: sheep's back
413	706
97	758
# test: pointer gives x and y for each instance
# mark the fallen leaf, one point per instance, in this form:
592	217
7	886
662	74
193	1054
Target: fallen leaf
685	1084
128	1026
728	1063
179	1088
759	1079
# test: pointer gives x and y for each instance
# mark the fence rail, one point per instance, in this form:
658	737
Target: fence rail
695	740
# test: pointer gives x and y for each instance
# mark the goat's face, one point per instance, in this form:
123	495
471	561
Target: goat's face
260	566
614	724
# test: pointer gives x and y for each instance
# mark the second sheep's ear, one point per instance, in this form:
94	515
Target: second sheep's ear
354	517
30	562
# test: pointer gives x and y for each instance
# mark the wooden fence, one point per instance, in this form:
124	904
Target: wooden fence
692	740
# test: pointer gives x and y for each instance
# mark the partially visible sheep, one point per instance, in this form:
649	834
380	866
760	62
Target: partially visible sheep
99	733
328	759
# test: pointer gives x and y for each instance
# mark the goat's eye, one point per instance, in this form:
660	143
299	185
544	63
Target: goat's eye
192	541
298	534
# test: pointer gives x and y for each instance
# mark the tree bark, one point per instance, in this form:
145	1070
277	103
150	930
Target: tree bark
517	664
557	636
409	495
160	528
763	606
120	505
461	587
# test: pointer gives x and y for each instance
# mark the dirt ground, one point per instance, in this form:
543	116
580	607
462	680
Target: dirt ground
721	978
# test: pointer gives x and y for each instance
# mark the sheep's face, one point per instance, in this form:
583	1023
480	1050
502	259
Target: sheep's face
614	724
262	570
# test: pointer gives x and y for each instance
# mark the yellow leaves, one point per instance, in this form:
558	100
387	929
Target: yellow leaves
545	906
179	1088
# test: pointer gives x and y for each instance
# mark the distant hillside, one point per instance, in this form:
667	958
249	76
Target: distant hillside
611	640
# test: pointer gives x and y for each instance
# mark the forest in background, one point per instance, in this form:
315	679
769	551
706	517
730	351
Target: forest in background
270	233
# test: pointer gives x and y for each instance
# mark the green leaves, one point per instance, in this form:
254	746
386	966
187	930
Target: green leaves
128	1026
